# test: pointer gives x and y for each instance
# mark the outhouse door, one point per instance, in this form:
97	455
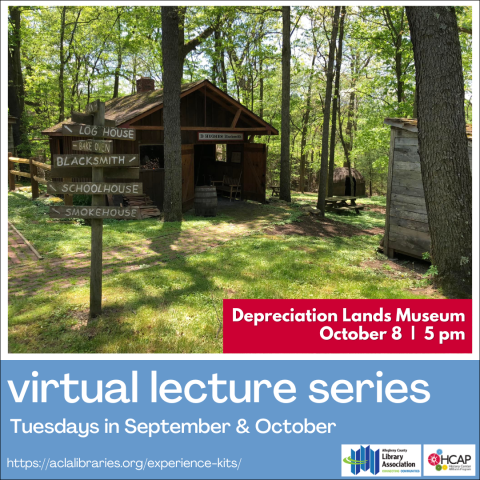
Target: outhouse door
188	186
254	171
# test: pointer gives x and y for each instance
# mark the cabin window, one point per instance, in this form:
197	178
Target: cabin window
152	156
221	153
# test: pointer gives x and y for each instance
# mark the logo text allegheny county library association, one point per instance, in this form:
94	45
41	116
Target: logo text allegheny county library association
382	460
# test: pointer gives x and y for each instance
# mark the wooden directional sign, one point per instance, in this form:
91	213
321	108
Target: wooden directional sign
87	119
92	107
93	145
96	160
98	131
126	213
89	188
86	172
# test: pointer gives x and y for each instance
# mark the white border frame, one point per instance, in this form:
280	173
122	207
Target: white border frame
162	356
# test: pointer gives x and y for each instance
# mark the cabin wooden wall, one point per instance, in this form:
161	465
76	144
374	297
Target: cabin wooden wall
406	224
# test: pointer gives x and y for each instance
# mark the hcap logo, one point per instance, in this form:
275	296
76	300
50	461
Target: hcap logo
441	461
365	459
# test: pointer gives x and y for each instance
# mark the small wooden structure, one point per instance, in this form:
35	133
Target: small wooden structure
341	183
209	117
11	121
406	223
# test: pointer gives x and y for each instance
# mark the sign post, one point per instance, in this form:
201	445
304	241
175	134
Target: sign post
97	230
100	155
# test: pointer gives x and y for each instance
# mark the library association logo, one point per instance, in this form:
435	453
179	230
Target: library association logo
382	460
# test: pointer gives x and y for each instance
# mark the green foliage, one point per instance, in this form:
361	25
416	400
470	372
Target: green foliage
240	51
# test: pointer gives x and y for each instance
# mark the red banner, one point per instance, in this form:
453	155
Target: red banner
347	326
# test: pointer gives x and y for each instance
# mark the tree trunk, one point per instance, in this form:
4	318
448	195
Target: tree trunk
119	61
285	139
338	65
306	117
61	90
443	147
172	67
16	89
322	186
261	87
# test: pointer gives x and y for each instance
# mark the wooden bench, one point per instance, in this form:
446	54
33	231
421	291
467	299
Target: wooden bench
275	191
229	185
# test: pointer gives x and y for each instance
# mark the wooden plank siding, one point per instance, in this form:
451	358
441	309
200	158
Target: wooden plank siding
407	226
406	223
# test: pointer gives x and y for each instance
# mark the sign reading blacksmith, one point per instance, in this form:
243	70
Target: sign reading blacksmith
93	160
98	131
99	156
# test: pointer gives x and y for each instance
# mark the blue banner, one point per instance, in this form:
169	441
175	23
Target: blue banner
238	419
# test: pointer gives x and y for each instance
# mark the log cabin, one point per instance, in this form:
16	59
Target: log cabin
217	139
406	222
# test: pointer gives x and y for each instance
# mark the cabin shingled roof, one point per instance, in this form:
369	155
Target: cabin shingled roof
126	108
410	124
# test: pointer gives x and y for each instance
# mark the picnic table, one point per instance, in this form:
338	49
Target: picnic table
340	203
275	190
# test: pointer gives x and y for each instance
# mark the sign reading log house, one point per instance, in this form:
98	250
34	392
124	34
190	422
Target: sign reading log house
99	156
221	136
98	131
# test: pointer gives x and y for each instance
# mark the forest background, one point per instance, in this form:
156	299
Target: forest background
63	57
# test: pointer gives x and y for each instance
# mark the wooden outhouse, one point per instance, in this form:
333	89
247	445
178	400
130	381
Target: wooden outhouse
341	182
406	223
217	139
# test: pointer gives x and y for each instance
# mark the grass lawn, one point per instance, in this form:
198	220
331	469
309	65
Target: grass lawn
173	308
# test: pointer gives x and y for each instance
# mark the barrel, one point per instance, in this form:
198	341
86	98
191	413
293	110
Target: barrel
205	201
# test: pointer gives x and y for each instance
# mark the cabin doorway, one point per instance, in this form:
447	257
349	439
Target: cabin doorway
348	192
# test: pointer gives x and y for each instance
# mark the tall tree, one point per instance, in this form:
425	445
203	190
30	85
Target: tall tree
443	147
285	139
65	57
16	87
322	187
305	125
172	67
338	66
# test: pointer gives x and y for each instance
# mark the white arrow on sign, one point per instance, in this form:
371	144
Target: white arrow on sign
67	127
53	188
56	211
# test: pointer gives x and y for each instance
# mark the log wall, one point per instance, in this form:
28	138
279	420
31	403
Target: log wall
406	225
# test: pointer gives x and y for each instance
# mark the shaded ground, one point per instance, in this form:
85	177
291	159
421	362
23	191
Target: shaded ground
405	267
310	225
373	208
18	251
